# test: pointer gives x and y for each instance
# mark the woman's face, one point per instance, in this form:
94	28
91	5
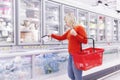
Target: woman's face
67	23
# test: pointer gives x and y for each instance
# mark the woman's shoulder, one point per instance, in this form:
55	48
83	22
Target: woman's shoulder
79	27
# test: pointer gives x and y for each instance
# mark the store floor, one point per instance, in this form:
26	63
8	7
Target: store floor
60	77
112	76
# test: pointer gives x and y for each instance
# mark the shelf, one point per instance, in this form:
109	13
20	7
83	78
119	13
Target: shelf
28	30
92	28
6	16
52	22
31	8
32	19
5	3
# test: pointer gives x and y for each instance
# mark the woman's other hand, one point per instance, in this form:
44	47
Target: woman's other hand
73	32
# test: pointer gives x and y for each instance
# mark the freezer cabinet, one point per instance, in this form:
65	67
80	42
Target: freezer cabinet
92	25
7	22
101	28
50	64
32	64
67	9
108	29
115	30
29	21
82	19
52	23
15	68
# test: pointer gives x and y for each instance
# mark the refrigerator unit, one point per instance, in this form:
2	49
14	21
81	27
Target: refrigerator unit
51	20
115	30
101	28
108	29
7	28
15	68
83	19
118	30
29	21
66	10
92	25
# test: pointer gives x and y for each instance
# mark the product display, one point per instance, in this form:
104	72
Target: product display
115	30
47	64
14	69
101	28
52	20
68	9
108	35
6	22
93	26
29	26
83	18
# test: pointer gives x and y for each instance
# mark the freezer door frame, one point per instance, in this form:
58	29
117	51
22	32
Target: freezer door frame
13	24
63	14
89	13
98	37
87	19
114	30
44	22
18	24
106	31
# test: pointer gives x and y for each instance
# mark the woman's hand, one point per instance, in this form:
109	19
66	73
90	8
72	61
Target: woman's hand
73	32
49	35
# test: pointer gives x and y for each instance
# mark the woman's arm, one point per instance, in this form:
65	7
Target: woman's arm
58	37
81	34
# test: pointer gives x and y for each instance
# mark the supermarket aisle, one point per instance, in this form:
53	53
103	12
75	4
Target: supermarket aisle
64	76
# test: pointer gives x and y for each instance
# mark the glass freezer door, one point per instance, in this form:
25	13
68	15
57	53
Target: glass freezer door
68	9
7	22
29	21
83	19
52	21
101	28
93	26
115	30
108	28
119	30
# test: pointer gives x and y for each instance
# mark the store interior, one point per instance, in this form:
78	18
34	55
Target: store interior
26	55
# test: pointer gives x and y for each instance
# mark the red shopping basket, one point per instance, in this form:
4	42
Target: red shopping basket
88	58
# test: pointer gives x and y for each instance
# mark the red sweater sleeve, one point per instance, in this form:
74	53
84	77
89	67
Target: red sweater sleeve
58	37
81	34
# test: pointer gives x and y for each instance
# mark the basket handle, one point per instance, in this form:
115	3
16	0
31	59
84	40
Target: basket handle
93	41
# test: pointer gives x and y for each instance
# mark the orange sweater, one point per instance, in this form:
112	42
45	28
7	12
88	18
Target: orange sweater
73	41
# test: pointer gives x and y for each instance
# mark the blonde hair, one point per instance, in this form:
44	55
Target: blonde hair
70	19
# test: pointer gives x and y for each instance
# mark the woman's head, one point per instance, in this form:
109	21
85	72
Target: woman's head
69	20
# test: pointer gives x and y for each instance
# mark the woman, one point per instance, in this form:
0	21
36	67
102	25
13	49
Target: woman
75	36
